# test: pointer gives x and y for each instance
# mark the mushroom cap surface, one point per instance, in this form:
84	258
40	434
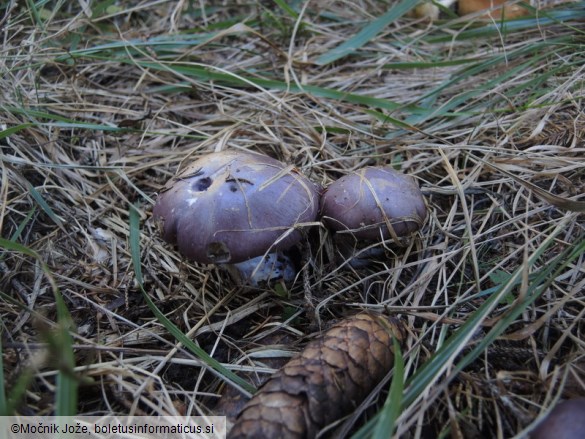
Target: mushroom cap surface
374	202
565	421
230	206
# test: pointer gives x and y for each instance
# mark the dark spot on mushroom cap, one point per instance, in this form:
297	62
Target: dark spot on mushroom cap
374	202
202	184
215	217
565	421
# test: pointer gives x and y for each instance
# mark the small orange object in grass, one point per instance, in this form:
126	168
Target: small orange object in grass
496	8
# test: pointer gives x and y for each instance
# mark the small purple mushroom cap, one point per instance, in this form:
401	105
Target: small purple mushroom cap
230	206
565	421
374	203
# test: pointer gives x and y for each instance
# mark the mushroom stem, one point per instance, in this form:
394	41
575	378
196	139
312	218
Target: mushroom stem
263	270
355	253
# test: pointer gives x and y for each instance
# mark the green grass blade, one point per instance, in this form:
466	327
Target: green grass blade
158	43
60	121
67	382
389	414
44	205
286	8
61	343
36	16
429	64
22	225
170	326
367	33
15	129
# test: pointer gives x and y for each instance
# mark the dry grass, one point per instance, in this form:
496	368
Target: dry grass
100	107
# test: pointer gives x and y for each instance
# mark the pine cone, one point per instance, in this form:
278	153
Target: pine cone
324	382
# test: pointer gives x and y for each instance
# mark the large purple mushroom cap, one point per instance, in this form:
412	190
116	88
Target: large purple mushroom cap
374	203
230	206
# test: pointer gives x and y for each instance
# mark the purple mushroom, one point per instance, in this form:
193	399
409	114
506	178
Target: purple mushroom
230	207
368	206
374	203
